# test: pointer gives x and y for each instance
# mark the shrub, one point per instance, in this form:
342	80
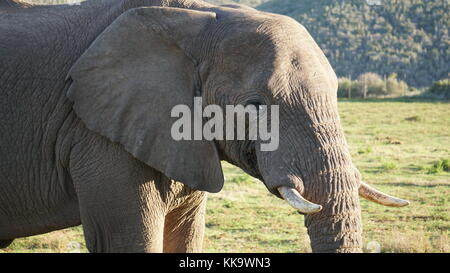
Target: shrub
395	87
372	85
389	166
440	166
440	89
347	86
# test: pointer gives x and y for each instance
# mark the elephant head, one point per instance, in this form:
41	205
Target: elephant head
152	59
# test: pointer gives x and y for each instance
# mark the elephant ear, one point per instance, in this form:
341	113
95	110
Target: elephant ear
126	83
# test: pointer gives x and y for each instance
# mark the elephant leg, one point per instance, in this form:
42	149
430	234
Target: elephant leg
5	243
119	199
185	225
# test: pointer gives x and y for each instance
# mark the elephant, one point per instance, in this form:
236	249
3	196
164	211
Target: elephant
86	93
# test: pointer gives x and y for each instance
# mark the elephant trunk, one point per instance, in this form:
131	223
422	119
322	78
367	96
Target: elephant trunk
339	233
331	180
334	185
337	227
327	186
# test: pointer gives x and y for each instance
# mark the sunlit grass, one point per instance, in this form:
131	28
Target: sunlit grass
394	143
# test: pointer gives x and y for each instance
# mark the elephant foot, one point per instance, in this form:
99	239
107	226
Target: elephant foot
5	243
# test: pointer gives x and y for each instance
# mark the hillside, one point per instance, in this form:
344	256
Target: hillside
407	37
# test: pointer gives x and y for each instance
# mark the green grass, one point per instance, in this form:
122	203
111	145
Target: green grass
440	166
399	145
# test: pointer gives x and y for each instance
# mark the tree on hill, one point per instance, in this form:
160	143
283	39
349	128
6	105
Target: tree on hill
408	37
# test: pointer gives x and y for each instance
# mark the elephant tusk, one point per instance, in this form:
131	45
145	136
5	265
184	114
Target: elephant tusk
294	199
378	197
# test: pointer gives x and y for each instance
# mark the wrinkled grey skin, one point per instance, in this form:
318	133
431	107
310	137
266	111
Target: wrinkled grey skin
84	121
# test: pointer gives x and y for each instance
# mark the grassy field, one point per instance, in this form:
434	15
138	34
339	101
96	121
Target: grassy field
396	145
